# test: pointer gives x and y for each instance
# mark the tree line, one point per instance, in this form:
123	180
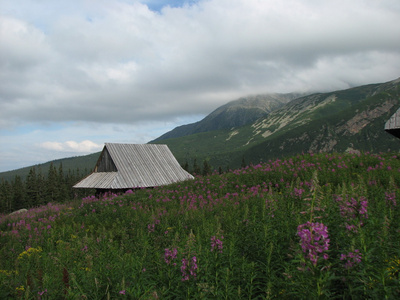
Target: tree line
38	188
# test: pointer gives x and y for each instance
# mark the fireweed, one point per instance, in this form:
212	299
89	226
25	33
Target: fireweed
189	268
189	260
351	258
216	243
170	256
314	241
353	210
390	199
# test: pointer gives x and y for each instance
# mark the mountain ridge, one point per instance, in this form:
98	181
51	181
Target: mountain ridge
333	121
343	120
235	113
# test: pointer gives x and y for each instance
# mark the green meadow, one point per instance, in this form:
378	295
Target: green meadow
313	226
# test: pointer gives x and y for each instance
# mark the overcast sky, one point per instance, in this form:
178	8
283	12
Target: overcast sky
76	74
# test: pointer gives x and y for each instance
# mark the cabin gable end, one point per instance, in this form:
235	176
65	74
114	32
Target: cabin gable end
105	162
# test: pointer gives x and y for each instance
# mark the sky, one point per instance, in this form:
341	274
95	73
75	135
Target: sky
76	74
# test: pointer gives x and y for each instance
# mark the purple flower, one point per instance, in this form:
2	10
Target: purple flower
189	268
314	240
169	255
217	243
353	210
184	266
390	199
122	292
352	258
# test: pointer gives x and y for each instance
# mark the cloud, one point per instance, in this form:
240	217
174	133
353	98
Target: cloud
122	62
72	146
131	62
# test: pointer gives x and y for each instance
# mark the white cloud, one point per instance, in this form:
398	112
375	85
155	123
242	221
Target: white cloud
72	146
141	62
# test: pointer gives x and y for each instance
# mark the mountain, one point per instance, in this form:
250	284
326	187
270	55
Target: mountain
233	114
345	120
276	126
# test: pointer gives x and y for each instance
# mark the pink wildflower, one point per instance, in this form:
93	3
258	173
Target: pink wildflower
314	240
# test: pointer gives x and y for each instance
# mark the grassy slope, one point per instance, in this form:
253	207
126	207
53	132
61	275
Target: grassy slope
232	236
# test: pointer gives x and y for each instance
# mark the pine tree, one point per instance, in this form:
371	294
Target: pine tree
243	165
186	166
206	168
196	168
6	197
32	193
52	184
62	186
18	189
41	186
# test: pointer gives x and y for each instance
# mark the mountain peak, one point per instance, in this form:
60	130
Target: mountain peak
236	113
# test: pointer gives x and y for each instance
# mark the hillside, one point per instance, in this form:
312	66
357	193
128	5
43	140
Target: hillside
233	114
345	120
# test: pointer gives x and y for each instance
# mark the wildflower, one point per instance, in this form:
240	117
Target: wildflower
314	240
390	199
189	268
298	192
20	288
353	210
169	255
185	276
352	258
217	244
42	292
8	273
29	252
122	292
151	227
394	268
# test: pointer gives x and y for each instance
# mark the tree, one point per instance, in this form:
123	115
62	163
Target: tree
196	168
19	199
32	192
220	170
52	184
62	186
6	197
243	165
206	168
185	166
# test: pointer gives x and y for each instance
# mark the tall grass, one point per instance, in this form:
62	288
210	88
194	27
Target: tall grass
311	226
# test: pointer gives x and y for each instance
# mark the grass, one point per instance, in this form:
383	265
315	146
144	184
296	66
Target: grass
322	226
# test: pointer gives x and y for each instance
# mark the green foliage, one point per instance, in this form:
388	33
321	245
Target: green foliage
39	190
238	235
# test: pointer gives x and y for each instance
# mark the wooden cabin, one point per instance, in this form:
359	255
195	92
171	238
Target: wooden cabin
392	125
121	167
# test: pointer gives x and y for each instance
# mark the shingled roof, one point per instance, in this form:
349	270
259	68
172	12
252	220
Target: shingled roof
393	124
127	166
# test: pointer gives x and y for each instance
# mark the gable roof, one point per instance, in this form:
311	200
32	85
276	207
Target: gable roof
125	166
393	124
